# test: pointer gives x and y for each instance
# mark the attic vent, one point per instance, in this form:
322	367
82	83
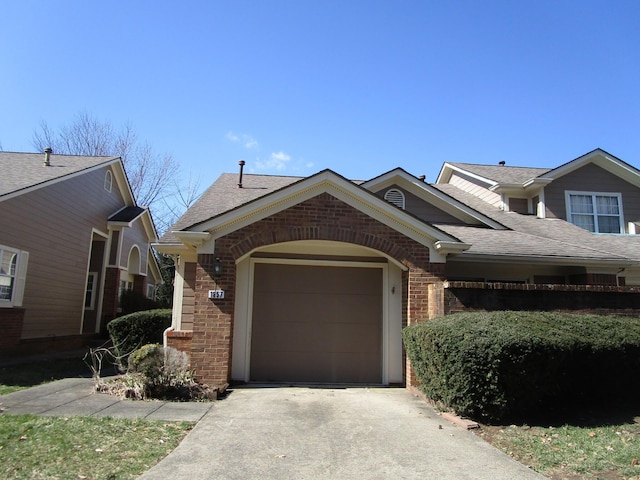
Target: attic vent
395	196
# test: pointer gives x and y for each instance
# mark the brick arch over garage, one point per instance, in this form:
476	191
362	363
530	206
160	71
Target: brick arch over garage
326	218
323	217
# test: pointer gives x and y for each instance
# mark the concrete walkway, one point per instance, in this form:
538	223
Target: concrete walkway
77	396
332	433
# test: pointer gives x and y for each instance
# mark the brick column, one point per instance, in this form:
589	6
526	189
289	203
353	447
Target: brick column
213	322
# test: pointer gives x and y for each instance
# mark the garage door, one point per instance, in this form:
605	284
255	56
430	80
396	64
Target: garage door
316	324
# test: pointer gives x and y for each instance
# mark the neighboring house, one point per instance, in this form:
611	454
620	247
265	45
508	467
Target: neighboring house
290	279
72	239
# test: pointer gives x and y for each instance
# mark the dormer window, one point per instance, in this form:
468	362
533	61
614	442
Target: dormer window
595	212
395	196
108	181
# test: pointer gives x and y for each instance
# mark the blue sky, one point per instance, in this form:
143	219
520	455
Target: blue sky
360	87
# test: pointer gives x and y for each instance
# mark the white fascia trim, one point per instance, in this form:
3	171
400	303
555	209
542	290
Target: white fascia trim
330	183
466	172
446	248
446	203
602	159
193	239
171	248
53	181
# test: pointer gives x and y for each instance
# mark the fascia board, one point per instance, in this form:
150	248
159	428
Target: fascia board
53	181
420	189
123	182
601	158
171	248
192	239
337	187
468	174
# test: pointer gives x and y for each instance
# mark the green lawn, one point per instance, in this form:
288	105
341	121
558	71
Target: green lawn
605	445
33	447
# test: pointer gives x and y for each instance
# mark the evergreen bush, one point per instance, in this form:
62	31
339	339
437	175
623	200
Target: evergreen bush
132	331
505	364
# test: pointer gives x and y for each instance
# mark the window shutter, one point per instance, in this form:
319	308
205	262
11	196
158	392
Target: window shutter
20	279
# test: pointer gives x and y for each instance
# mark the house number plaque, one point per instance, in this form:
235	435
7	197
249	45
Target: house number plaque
216	293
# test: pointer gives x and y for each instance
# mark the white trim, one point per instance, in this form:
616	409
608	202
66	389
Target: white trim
391	368
92	303
19	277
593	195
108	181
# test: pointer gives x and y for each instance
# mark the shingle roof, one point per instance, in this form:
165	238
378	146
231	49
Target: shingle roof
23	170
225	195
532	236
502	174
127	214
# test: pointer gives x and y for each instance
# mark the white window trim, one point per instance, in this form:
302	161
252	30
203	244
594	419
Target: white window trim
108	181
395	197
151	291
94	290
19	279
567	196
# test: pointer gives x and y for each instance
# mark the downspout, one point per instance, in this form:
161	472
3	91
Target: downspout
165	334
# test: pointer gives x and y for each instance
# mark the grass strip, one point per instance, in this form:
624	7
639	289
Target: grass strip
34	447
568	452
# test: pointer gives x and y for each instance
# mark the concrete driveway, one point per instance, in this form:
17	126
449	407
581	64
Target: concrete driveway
331	433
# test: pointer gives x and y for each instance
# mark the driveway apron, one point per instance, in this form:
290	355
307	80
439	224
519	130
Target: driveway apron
331	433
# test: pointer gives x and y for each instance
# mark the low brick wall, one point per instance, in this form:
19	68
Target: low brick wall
597	299
11	320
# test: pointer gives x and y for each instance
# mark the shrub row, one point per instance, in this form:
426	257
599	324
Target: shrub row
130	332
501	365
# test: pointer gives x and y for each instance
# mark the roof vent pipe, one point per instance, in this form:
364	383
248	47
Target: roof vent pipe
502	163
241	163
47	156
422	178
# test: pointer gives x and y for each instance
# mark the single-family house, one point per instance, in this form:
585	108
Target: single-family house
290	279
72	240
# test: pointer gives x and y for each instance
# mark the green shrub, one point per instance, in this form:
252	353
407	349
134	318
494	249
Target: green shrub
148	360
130	332
497	365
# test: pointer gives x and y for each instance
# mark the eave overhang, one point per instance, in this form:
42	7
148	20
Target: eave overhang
325	181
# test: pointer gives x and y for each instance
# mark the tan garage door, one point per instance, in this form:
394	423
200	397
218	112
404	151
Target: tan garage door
316	324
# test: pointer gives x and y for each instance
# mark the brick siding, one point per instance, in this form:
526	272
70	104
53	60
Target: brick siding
11	320
321	218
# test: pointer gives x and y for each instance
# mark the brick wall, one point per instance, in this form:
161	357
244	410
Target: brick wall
321	218
180	340
11	320
110	298
598	299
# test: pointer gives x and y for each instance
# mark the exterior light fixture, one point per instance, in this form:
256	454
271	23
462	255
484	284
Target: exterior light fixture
217	268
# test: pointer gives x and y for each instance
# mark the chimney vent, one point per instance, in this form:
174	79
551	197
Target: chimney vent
502	163
422	178
47	156
241	163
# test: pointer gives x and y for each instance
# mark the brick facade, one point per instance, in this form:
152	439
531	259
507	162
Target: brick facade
321	218
11	320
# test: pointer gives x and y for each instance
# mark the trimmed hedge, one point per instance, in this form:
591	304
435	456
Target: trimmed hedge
507	364
132	331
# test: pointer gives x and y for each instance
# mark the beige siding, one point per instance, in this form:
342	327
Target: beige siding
421	209
188	295
472	186
54	224
592	178
134	235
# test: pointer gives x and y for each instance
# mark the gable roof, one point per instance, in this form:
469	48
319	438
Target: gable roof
491	174
23	172
257	206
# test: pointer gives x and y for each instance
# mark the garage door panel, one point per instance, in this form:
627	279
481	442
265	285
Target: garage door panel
316	324
299	337
315	368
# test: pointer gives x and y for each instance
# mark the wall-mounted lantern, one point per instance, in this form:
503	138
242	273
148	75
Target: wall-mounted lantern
217	268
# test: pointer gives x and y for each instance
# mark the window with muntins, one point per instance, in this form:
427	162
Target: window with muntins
8	264
395	196
596	212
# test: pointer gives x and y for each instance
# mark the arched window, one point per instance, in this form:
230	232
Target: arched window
108	181
395	196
